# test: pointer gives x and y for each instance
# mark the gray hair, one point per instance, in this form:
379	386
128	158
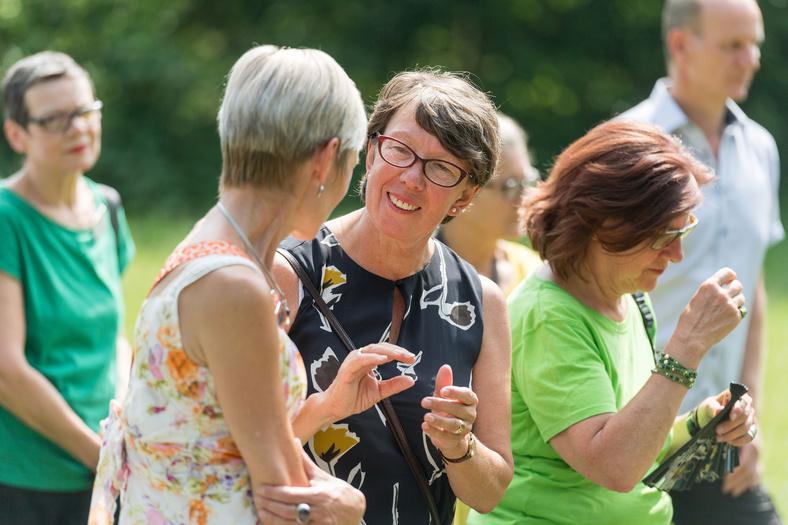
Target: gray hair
679	13
515	138
32	70
279	106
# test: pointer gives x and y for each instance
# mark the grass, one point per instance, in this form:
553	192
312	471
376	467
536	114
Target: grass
772	417
156	236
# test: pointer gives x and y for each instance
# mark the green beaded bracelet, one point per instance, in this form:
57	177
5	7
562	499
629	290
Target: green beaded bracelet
675	371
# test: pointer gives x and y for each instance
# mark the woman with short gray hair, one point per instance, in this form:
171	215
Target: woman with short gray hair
216	381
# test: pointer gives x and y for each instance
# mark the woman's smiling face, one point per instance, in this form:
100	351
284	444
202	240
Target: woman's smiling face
402	202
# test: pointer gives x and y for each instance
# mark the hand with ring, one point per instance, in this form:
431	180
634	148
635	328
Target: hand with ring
747	475
356	387
327	500
451	416
740	428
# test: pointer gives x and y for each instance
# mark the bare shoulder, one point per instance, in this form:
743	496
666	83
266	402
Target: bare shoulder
492	295
237	288
231	303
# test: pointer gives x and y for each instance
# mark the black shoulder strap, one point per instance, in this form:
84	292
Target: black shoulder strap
113	203
385	405
648	319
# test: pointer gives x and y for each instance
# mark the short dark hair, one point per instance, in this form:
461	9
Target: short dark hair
32	70
622	183
451	108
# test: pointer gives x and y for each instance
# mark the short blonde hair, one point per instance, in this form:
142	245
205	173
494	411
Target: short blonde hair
279	106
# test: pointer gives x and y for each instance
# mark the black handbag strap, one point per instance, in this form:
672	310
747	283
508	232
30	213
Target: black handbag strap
385	405
648	319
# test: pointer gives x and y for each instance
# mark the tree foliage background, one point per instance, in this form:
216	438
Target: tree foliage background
557	66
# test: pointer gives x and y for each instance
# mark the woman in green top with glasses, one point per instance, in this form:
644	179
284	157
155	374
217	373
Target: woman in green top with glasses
61	307
592	413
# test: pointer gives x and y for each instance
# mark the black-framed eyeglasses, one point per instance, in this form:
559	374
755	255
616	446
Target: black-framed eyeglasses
60	122
439	172
667	238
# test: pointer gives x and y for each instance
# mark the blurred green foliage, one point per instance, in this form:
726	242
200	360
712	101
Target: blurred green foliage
558	66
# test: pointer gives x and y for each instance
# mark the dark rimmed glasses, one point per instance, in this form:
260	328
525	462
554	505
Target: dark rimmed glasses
667	238
439	172
60	122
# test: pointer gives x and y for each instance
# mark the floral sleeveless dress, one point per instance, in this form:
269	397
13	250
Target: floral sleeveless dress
168	452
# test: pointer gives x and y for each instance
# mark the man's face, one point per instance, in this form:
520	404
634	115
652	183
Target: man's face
724	54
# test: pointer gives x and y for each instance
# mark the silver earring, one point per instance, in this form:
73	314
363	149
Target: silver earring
320	191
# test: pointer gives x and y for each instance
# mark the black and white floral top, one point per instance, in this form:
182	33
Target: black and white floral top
442	325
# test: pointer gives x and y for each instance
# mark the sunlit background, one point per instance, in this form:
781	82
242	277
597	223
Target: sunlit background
557	66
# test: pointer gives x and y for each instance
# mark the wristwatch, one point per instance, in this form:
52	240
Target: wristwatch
468	455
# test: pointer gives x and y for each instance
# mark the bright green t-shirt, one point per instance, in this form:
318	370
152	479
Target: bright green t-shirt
73	311
569	363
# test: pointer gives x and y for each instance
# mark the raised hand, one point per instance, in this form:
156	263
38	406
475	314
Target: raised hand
356	388
452	415
713	312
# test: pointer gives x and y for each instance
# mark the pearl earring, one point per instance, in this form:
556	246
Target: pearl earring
320	191
454	210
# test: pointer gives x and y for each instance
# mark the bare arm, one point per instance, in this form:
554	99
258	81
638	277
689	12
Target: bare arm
481	481
27	394
615	450
227	321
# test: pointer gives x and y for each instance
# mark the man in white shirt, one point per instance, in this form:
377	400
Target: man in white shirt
712	49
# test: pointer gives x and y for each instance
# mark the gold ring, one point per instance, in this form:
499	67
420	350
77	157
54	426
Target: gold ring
461	429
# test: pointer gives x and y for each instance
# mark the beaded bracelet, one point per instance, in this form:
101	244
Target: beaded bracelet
693	427
675	371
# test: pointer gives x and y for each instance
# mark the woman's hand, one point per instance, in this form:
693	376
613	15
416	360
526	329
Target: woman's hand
711	315
328	500
740	427
356	388
452	415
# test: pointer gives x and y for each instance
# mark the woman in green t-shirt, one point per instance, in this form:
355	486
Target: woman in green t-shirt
64	247
591	413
